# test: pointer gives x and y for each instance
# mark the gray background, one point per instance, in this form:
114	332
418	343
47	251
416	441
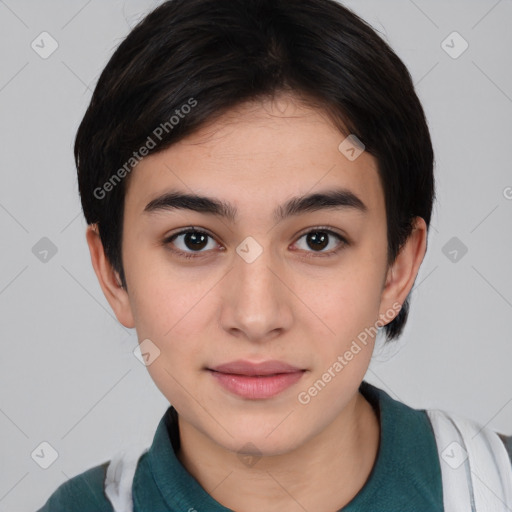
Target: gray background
68	373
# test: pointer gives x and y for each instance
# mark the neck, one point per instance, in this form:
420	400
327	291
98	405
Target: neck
323	474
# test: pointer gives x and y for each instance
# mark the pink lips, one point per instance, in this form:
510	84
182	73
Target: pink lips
256	380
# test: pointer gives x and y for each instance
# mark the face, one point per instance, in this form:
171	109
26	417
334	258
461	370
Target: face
260	280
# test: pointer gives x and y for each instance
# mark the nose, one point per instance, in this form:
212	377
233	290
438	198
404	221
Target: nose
256	300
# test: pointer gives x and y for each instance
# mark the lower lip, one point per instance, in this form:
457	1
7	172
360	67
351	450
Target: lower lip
257	387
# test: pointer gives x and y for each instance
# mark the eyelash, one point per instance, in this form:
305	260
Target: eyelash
312	254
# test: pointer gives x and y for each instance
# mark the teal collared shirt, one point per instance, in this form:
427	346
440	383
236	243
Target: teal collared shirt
406	475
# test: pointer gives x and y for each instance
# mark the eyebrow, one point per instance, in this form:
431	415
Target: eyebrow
329	199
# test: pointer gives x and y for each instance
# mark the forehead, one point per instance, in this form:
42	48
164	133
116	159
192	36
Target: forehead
256	156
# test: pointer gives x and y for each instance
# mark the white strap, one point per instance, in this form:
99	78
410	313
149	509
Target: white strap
475	466
119	477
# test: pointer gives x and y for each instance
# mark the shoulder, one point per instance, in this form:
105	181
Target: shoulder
82	493
471	433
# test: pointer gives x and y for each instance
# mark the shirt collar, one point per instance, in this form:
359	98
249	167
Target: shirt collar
395	463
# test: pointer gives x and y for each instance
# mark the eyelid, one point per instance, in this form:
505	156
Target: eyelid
189	229
328	229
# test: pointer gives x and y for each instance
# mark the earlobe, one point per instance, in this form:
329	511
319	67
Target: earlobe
109	279
402	274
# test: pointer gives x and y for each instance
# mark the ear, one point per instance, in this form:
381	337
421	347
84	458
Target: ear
109	279
401	275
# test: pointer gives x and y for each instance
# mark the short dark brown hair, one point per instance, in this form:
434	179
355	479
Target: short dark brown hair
217	54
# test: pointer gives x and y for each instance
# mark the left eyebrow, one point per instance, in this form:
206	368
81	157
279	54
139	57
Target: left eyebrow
340	198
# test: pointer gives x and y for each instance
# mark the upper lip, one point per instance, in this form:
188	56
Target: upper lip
241	367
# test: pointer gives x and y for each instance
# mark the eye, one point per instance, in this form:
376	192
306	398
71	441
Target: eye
320	238
192	239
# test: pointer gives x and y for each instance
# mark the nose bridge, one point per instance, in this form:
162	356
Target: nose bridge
257	303
253	272
256	281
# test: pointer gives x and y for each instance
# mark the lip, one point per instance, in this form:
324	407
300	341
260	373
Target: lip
248	368
256	380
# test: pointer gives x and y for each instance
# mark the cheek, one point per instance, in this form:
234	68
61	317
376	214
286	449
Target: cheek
174	312
347	302
173	318
163	297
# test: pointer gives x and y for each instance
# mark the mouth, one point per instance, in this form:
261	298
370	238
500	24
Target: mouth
256	381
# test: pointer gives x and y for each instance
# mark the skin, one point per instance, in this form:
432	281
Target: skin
302	310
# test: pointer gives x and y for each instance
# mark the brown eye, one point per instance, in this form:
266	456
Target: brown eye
195	240
317	240
190	241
